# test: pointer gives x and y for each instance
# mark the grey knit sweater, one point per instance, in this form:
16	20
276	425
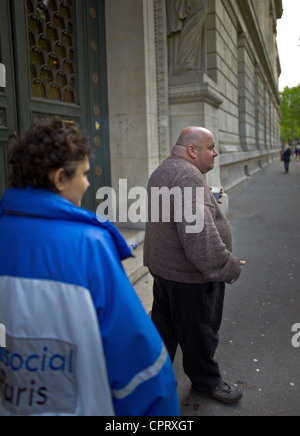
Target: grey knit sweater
172	253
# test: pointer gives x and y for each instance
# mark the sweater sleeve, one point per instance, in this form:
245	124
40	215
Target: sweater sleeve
209	250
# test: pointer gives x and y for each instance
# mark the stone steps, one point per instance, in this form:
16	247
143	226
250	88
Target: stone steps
138	275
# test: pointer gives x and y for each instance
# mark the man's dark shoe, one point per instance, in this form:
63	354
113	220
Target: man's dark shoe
224	394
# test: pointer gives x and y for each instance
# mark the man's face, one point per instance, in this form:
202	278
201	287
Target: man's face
206	154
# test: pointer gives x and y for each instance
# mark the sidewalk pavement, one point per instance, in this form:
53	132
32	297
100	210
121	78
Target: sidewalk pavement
256	350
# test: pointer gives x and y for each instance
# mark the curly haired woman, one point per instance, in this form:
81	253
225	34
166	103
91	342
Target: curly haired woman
78	342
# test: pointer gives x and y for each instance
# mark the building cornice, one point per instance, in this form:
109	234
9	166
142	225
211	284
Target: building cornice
249	15
279	9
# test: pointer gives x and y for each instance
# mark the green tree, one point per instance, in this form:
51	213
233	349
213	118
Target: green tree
290	110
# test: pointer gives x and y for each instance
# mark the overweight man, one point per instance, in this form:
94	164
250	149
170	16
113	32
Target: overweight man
191	265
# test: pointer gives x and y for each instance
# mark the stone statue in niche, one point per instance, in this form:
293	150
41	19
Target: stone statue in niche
186	21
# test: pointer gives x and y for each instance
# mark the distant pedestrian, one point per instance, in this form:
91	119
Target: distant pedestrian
190	270
286	157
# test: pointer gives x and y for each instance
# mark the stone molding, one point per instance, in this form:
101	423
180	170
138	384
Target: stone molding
205	92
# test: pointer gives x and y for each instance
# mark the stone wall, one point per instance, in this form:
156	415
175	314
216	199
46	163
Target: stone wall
228	83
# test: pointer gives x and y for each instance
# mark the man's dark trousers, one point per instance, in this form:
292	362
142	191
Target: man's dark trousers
191	315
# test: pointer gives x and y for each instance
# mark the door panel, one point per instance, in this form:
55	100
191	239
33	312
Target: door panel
54	73
47	60
8	113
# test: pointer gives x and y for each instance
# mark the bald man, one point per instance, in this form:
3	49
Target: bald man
190	269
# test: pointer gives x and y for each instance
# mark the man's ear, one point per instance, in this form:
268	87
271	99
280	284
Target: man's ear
58	178
191	151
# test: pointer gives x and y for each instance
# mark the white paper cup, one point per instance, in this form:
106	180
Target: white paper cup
216	190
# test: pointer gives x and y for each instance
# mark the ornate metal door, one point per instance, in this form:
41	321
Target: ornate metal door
8	114
58	66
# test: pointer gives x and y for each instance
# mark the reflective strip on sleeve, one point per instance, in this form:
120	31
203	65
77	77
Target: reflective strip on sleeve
143	376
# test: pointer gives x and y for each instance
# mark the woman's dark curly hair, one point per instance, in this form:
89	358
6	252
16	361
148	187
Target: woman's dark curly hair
47	146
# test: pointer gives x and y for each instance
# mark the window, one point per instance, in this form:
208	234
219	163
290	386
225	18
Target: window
51	49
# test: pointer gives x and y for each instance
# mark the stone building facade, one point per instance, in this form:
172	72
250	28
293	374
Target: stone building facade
175	63
133	73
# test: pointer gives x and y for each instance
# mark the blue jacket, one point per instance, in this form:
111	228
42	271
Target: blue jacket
78	341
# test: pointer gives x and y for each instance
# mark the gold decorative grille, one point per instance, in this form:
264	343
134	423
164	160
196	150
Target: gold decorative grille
51	45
